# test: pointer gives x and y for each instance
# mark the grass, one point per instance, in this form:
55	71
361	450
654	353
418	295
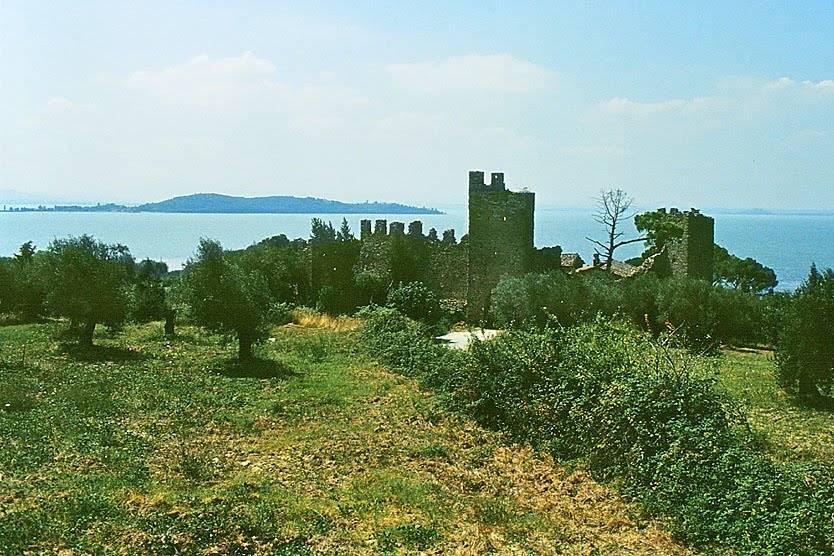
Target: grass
151	445
790	431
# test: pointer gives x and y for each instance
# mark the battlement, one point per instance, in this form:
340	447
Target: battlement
478	185
384	229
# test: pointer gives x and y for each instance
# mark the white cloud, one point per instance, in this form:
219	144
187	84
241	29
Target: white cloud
61	104
501	73
204	79
826	85
786	83
623	105
780	84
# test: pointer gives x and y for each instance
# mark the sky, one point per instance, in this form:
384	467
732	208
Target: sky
703	104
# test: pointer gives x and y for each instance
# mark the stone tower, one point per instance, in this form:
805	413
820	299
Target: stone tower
500	240
692	255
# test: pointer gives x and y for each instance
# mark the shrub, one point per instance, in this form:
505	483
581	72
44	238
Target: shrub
805	351
415	301
688	305
635	411
533	299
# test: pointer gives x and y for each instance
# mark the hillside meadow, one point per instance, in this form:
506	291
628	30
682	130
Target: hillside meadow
143	444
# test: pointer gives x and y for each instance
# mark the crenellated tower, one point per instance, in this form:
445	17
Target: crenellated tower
500	240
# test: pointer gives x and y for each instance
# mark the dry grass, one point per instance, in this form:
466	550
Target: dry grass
312	319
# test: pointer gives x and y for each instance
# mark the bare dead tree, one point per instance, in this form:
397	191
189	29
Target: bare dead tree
613	207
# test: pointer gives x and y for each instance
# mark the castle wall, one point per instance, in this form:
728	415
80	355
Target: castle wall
397	257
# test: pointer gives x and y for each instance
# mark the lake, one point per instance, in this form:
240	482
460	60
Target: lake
787	243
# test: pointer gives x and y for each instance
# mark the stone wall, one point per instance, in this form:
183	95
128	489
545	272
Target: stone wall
692	254
397	257
500	239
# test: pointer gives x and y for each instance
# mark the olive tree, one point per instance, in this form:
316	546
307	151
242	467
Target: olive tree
86	282
226	298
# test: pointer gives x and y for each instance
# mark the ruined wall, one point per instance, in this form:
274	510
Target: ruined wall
397	257
500	237
547	259
446	272
692	255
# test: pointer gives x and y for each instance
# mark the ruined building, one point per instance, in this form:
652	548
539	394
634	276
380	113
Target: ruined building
499	243
500	237
692	254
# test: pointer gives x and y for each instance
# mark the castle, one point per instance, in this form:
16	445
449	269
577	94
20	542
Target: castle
499	242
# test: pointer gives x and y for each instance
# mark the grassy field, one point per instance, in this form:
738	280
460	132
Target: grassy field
148	445
791	432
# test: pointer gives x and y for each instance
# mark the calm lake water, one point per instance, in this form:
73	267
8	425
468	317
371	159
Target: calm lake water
787	243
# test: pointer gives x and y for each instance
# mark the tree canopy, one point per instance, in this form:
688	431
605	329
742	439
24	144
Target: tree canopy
748	275
805	350
225	298
87	282
659	228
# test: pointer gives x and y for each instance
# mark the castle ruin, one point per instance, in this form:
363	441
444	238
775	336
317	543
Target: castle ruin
499	243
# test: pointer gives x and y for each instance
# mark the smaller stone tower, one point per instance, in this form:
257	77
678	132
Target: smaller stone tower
692	255
500	240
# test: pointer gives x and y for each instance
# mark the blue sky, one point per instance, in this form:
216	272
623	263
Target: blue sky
706	104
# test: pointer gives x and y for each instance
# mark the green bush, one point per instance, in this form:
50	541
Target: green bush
225	298
634	411
535	299
688	306
805	352
415	301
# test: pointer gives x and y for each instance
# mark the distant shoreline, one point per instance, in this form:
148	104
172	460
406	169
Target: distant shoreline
212	203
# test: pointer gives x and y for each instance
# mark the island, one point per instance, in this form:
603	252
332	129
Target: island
229	204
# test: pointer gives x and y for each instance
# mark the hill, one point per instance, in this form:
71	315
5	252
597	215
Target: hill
229	204
150	445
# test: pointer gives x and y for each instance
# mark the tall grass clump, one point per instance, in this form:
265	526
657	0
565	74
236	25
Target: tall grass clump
638	413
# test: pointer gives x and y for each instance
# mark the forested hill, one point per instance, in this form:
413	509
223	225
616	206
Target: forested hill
216	203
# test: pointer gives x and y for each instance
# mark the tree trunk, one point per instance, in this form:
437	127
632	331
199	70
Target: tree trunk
170	318
809	392
87	332
244	351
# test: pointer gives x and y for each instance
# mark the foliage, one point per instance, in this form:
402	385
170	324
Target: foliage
148	297
7	286
226	298
659	227
284	267
634	411
321	231
706	315
416	301
87	282
747	275
773	308
805	351
344	233
688	305
533	299
23	284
